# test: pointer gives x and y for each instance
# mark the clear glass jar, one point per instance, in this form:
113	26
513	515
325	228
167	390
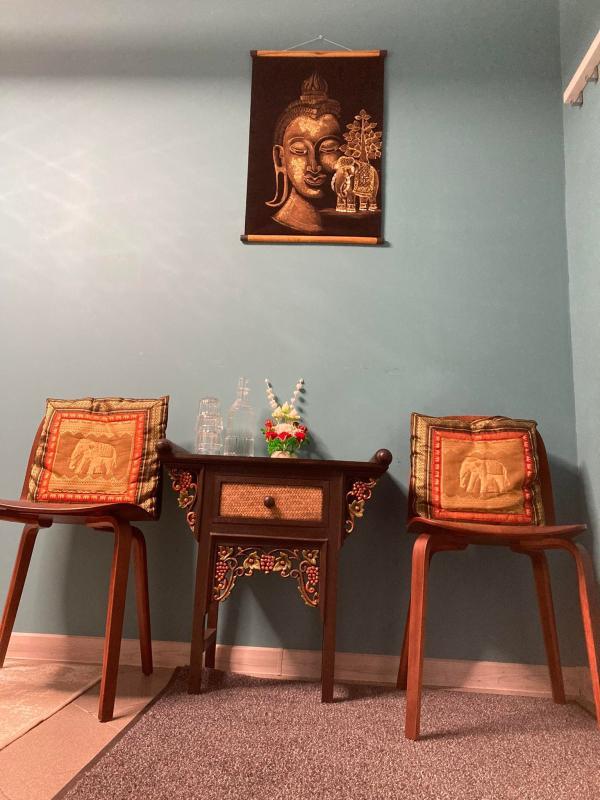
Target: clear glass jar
209	427
241	424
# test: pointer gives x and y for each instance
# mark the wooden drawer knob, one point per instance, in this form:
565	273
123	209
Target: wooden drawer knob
269	501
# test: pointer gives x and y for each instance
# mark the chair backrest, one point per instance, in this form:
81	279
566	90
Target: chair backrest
34	447
546	482
100	451
544	477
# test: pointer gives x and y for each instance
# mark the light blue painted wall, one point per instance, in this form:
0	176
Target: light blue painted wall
580	21
123	134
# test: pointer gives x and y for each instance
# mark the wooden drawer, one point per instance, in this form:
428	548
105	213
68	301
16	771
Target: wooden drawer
262	501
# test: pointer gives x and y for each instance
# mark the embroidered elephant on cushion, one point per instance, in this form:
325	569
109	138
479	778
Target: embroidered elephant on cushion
91	458
483	476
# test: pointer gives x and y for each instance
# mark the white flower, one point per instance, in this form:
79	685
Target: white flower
287	410
284	427
271	394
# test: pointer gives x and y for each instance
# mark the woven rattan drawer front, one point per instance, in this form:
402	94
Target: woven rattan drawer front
267	501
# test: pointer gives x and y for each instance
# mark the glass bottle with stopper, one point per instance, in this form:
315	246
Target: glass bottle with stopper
241	424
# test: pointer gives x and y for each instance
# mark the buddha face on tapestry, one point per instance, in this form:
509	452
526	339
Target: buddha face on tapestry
306	148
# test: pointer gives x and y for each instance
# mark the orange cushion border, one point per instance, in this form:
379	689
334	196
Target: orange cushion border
82	497
436	482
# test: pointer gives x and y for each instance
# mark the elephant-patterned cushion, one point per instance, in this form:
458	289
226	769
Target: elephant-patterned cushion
99	450
476	469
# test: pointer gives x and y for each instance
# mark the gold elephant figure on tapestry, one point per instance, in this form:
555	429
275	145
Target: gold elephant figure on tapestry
355	179
366	186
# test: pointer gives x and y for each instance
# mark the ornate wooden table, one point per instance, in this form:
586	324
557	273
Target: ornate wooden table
286	516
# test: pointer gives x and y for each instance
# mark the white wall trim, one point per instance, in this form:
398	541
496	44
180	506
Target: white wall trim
469	676
587	71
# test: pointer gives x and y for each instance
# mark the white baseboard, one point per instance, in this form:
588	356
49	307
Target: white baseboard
273	662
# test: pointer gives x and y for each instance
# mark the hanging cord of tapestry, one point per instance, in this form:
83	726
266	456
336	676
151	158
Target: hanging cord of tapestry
319	38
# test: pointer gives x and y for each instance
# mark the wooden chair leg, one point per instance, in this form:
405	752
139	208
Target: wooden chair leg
403	667
15	588
544	593
142	599
589	599
114	619
416	636
212	621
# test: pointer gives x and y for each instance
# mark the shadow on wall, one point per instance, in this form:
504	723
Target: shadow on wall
572	506
471	613
171	551
121	57
374	564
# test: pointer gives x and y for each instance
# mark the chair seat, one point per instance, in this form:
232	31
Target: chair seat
493	534
27	511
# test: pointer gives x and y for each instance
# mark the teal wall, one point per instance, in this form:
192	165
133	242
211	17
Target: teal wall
122	170
580	22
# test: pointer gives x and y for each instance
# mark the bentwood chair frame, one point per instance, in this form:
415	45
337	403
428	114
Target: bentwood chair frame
115	518
435	536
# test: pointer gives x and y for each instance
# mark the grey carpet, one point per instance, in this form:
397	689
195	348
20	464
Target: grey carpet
250	738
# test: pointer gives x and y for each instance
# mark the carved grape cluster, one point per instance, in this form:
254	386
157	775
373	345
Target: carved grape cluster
312	575
221	570
185	480
267	562
361	491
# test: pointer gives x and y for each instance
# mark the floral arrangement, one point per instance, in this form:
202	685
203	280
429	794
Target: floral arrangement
285	435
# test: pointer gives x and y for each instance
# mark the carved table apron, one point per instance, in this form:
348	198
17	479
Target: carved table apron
283	516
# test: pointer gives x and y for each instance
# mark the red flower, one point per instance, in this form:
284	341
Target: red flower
268	423
300	435
283	436
269	434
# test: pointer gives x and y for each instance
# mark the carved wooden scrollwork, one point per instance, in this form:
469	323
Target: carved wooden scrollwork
183	484
356	498
232	562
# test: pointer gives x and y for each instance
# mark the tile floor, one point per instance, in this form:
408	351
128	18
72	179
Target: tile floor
39	764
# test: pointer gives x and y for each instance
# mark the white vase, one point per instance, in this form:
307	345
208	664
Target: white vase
283	454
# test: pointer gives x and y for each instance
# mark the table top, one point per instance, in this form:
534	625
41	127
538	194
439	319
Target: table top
170	453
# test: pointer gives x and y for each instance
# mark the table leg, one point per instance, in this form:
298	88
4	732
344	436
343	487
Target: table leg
212	622
203	564
330	601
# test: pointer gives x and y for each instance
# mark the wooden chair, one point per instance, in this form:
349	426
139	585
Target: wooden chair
436	536
112	517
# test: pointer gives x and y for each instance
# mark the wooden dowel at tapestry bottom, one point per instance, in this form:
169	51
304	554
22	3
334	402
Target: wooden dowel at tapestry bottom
255	238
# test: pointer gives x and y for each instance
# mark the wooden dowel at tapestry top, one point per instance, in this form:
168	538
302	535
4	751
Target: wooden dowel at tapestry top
318	53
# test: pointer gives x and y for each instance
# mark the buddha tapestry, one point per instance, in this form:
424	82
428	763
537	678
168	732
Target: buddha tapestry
316	146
